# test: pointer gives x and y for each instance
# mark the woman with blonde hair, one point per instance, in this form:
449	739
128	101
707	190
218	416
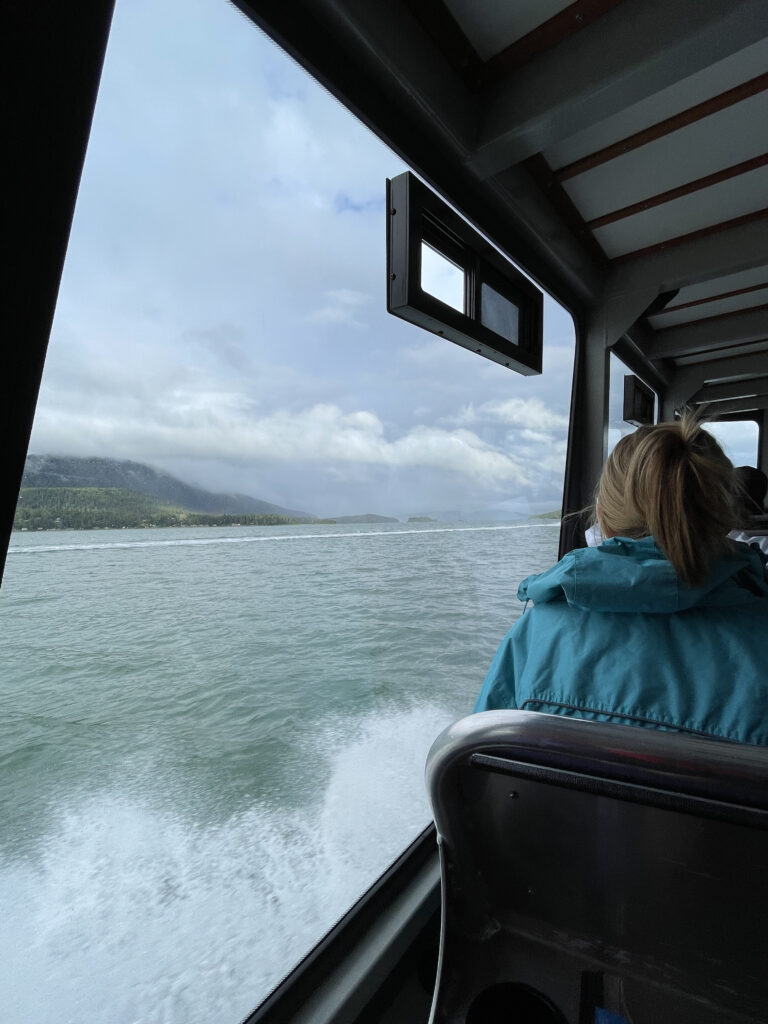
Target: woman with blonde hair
665	623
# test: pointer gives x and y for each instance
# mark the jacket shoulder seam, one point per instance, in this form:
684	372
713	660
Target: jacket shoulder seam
634	714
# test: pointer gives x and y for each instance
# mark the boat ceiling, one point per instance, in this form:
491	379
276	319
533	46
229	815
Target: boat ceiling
614	148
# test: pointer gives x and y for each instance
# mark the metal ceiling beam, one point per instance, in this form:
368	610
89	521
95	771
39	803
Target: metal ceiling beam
631	350
737	405
660	198
734	389
713	333
574	18
714	298
670	124
632	52
688	380
705	258
730	352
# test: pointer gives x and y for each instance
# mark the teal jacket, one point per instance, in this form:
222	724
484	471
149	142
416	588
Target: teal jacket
614	635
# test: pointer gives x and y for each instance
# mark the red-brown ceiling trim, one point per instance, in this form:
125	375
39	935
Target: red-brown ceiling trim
712	298
713	229
566	23
671	124
682	190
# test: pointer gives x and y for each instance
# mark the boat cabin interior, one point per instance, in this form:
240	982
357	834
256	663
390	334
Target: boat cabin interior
617	152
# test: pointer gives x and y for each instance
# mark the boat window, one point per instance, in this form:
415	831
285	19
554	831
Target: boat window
738	439
492	308
618	426
268	540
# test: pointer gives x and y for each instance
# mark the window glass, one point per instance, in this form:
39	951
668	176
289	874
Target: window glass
268	540
738	439
442	278
498	313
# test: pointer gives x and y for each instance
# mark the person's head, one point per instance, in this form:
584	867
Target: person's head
751	486
671	482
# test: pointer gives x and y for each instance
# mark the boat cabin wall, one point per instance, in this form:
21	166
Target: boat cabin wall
54	55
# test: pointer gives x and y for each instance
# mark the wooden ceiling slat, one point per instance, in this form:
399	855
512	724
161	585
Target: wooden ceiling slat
666	127
712	298
682	190
560	26
713	229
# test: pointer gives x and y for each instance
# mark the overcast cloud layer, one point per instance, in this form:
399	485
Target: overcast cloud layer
222	312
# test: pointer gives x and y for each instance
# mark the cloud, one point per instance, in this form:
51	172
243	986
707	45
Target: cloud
524	413
531	416
344	203
341	309
223	300
215	425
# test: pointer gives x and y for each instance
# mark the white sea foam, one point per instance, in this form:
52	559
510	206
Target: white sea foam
128	913
194	541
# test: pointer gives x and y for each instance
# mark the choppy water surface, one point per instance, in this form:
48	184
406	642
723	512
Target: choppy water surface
212	742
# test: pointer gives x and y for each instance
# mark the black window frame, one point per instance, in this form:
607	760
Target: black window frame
416	215
636	395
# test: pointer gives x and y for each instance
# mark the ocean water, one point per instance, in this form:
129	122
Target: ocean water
213	741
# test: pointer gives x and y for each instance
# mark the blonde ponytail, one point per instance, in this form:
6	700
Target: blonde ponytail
674	483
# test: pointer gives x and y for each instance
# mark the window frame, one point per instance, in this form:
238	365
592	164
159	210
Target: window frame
636	394
416	215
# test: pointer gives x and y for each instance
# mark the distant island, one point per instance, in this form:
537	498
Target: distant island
556	514
67	493
369	517
89	508
421	519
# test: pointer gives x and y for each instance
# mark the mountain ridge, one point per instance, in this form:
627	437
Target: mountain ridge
98	471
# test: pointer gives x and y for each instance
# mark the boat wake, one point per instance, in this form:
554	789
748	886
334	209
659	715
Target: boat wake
262	539
127	911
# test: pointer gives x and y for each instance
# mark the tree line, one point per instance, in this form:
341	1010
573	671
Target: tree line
88	508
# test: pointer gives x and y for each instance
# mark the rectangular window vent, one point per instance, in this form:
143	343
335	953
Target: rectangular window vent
445	277
639	402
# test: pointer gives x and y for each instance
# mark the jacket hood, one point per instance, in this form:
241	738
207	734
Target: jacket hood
624	575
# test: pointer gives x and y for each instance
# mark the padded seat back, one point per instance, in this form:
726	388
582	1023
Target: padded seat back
599	874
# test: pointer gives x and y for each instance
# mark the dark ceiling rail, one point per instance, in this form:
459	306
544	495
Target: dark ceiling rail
727	354
713	298
544	37
712	229
751	387
665	127
763	307
441	26
443	29
540	171
714	333
671	194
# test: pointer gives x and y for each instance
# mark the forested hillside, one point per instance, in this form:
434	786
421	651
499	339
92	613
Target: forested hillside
84	508
56	471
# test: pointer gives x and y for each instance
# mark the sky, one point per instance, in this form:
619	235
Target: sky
222	312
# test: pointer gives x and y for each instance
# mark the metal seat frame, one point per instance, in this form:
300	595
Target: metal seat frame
596	870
